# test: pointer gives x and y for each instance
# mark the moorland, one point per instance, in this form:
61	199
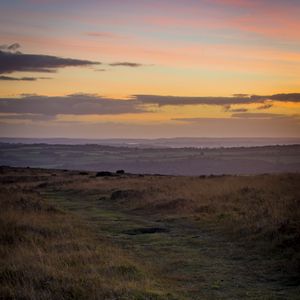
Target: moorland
67	234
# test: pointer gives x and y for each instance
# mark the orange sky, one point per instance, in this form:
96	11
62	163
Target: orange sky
164	48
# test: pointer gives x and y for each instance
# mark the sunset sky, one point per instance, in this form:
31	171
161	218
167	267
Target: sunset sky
149	68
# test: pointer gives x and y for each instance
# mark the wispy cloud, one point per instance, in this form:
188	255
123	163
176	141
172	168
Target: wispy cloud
104	35
178	100
228	108
30	117
252	115
265	106
10	78
126	64
244	116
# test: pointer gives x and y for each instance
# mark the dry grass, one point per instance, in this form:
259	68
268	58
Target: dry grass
263	209
47	254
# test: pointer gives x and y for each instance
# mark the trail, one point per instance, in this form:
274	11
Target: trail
195	260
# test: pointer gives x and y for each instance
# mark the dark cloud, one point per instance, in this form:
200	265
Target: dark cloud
294	97
245	116
194	120
265	106
262	116
174	100
86	104
77	104
240	95
30	117
44	78
9	78
18	62
12	60
228	108
238	110
291	97
126	64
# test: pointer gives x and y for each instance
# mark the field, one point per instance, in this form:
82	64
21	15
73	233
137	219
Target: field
167	161
75	235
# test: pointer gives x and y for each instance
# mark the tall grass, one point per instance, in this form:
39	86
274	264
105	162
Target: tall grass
263	209
48	254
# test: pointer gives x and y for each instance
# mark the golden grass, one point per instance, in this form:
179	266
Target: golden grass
264	209
265	199
47	254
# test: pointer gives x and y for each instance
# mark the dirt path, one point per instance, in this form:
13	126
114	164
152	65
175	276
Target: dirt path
195	262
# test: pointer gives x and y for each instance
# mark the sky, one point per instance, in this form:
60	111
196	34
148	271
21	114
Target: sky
149	68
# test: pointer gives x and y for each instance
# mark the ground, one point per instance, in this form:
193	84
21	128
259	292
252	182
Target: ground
158	237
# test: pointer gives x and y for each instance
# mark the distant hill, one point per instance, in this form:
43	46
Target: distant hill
154	160
179	142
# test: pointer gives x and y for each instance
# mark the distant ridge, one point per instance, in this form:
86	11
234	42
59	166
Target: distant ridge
180	142
147	160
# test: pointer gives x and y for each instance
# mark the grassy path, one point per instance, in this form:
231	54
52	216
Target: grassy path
191	260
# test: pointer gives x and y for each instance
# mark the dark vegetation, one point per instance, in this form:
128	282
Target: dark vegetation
104	174
72	235
120	172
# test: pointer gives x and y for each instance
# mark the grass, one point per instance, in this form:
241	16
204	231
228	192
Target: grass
66	235
262	207
49	254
